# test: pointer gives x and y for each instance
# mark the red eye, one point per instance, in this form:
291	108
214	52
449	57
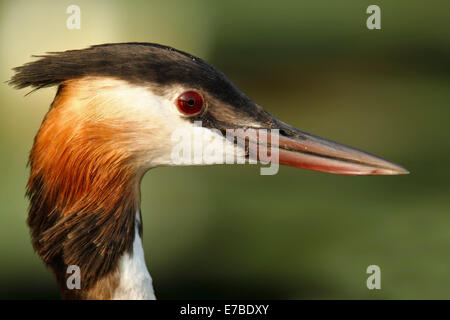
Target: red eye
190	102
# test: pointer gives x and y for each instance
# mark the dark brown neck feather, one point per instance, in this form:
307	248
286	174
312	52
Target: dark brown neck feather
83	196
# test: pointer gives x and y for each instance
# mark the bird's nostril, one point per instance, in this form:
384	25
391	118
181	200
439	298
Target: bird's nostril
284	133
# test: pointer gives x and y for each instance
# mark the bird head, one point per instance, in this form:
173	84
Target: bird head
136	96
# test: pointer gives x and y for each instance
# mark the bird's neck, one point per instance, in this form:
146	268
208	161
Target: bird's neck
134	281
108	251
84	205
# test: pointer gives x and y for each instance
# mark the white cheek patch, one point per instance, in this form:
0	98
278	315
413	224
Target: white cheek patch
144	103
196	145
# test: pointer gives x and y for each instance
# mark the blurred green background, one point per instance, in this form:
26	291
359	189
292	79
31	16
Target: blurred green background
225	231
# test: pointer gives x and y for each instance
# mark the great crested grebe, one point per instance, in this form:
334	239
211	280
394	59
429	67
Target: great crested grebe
111	121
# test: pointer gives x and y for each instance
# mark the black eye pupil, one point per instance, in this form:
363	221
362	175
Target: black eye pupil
191	102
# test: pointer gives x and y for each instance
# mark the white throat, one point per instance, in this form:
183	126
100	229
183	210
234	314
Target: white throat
135	281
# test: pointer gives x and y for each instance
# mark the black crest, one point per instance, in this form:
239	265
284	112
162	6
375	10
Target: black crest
134	62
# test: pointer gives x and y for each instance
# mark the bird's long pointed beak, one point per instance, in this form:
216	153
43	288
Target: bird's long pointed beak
315	153
304	150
